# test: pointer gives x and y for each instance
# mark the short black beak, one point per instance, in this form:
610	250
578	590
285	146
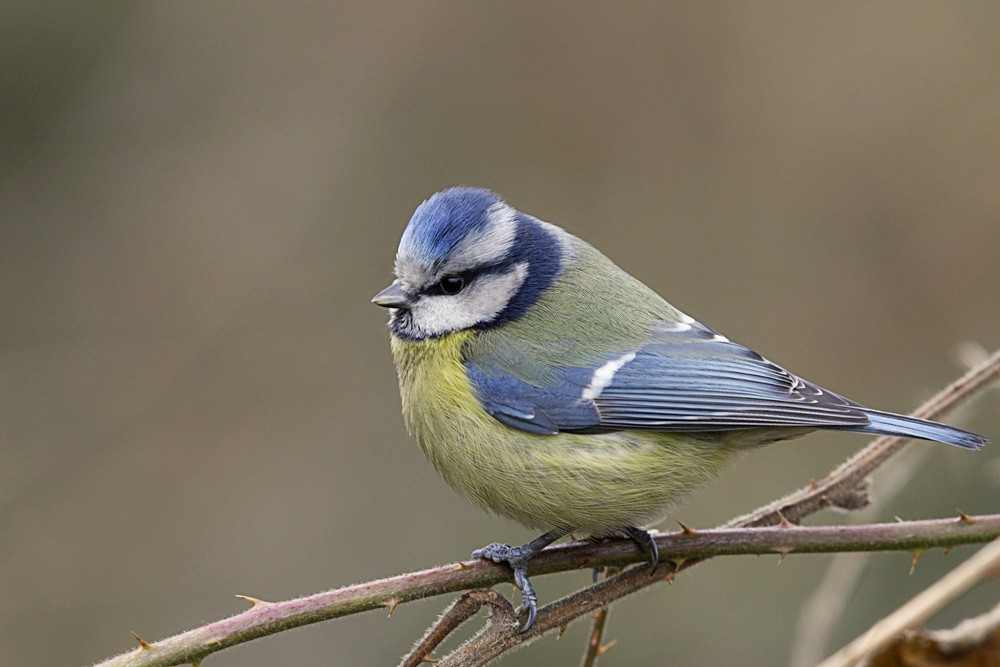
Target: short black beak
392	296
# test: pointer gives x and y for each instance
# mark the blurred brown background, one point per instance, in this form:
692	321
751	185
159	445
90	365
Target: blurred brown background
199	199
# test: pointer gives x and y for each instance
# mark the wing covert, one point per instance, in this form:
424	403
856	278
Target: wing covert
535	409
687	378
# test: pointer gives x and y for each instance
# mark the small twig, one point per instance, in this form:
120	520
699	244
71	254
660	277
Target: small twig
458	613
594	648
486	647
919	609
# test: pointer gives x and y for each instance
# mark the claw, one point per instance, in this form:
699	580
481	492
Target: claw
517	558
646	543
529	600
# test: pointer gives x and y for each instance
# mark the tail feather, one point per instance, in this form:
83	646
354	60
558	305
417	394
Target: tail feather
887	423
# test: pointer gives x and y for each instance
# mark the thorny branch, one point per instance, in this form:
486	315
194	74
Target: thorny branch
745	535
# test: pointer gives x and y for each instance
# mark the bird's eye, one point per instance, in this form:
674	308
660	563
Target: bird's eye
452	284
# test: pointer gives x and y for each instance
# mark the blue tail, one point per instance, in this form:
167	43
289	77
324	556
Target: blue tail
887	423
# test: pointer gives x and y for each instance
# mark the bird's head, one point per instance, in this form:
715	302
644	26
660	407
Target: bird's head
468	260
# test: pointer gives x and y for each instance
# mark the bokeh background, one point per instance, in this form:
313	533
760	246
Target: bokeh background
199	199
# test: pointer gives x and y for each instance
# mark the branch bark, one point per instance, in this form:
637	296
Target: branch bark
266	618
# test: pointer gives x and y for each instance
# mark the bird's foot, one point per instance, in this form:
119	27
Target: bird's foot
645	541
517	558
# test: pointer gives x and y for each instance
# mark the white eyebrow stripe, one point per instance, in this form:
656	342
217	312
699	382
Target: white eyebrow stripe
489	244
603	376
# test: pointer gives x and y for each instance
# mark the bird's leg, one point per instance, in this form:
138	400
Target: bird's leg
517	558
646	543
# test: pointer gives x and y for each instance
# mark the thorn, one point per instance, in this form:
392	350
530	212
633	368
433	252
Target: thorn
782	552
685	530
257	604
963	517
669	577
601	650
462	565
562	630
391	604
142	643
428	659
813	484
917	553
784	523
898	518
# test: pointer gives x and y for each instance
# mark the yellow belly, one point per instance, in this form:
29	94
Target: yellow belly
587	483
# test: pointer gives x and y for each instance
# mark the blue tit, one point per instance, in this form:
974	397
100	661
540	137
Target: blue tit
551	387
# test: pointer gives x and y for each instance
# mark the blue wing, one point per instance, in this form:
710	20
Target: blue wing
545	410
687	378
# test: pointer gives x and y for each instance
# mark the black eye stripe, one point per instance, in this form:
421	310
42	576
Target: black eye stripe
450	284
467	277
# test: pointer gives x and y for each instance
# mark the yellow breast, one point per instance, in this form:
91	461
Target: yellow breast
592	483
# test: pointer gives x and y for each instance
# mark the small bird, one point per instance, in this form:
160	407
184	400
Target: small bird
551	387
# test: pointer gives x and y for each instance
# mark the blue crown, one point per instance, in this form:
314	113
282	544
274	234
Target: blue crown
440	223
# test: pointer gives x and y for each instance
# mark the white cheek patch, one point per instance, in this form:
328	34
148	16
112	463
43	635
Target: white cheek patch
603	376
480	302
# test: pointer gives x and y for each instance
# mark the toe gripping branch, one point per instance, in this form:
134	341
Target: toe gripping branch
517	558
646	542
